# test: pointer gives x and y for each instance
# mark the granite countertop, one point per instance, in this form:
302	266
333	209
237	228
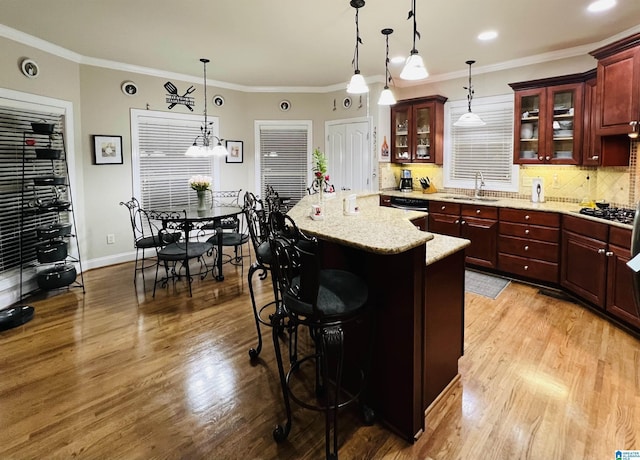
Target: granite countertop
548	206
374	229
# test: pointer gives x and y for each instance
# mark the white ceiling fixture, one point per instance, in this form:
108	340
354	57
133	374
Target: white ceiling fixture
205	149
487	35
469	119
601	5
357	85
414	68
386	96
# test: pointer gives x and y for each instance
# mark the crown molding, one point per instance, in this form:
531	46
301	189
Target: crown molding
43	45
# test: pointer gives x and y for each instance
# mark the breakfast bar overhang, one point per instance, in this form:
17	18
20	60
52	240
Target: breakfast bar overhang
416	288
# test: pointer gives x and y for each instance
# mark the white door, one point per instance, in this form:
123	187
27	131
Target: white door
349	155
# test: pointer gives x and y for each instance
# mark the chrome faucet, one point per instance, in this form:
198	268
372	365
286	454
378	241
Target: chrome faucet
478	191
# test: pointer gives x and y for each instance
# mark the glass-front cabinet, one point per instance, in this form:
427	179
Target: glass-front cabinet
417	128
548	123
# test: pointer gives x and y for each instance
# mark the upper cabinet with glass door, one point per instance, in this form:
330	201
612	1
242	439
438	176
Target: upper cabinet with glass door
417	130
548	121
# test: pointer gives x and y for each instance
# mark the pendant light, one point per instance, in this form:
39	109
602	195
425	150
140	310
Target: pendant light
205	148
414	68
386	96
357	85
469	119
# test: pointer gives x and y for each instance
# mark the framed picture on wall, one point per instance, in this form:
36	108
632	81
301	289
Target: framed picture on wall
234	149
107	150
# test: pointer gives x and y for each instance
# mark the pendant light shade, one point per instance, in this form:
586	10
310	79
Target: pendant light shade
357	85
414	68
469	119
206	148
386	96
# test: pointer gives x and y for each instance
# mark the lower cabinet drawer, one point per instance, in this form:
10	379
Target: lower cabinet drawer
529	249
529	268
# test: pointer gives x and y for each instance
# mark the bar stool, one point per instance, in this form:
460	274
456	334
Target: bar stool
322	301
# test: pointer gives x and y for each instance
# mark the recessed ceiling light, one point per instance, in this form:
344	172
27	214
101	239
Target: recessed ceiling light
488	35
397	60
601	5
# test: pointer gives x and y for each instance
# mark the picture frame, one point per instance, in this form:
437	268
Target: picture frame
107	150
235	154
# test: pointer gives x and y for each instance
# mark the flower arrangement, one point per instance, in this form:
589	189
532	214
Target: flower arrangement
320	171
200	183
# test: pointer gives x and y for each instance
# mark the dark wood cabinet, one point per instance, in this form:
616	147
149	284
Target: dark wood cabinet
476	223
417	130
479	224
529	244
618	86
619	301
548	120
584	264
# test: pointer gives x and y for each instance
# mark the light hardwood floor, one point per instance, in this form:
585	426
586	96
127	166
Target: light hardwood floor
117	374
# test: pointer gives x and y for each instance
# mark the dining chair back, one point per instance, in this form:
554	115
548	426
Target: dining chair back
146	236
176	256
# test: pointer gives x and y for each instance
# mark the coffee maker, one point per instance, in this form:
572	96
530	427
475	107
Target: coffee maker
406	182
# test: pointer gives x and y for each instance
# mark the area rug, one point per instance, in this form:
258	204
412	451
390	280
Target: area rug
483	284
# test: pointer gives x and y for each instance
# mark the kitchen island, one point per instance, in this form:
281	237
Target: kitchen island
416	289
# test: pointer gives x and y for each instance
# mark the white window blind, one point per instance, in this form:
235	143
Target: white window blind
161	169
16	182
284	159
487	149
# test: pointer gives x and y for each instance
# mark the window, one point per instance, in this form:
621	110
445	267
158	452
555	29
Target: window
487	149
18	230
161	171
284	157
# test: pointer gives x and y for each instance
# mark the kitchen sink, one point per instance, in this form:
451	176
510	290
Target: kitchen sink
470	198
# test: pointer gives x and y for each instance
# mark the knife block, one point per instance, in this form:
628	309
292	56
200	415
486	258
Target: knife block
430	189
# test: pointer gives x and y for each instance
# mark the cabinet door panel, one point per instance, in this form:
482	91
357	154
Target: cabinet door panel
620	300
483	234
584	268
445	224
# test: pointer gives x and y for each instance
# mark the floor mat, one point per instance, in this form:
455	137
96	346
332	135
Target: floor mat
483	284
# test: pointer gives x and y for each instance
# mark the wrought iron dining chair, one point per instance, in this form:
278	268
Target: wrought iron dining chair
234	229
324	301
256	218
178	255
146	236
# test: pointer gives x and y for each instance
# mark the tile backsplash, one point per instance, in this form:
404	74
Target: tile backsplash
618	185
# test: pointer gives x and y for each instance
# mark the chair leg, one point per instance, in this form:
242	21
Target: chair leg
332	341
280	433
254	352
185	263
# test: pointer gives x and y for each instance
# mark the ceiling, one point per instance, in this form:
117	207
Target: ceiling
270	44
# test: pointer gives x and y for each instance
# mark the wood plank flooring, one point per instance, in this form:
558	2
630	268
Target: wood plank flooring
117	374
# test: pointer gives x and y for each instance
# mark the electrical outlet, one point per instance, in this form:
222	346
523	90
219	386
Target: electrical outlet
556	182
111	238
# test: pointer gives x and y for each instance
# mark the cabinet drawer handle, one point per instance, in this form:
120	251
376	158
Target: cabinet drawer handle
457	221
526	217
463	222
478	211
608	254
526	232
595	157
443	207
526	248
601	251
526	267
541	158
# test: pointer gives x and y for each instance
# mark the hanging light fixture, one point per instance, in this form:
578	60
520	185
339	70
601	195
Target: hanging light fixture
469	119
206	147
357	85
386	96
414	68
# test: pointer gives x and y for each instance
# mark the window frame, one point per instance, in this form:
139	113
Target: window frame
453	110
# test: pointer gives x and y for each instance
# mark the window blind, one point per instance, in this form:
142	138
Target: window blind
163	170
284	159
18	229
487	149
